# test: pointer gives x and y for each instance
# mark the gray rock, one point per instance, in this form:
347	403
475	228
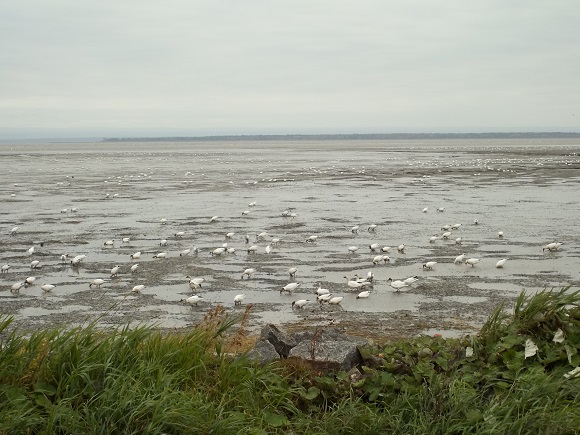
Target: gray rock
281	341
328	356
263	352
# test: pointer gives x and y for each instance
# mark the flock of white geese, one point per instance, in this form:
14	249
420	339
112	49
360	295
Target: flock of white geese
363	285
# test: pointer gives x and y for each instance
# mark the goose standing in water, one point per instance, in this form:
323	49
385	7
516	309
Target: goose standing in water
398	284
290	287
97	283
300	303
238	299
192	300
472	261
249	273
501	263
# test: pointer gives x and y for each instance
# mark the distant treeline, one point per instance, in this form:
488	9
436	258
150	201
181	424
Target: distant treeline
321	137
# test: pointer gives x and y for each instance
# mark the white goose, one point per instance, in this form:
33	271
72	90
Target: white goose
252	249
363	295
138	288
472	261
336	300
292	272
398	284
459	259
429	265
290	287
35	264
97	283
16	287
160	255
300	303
47	287
115	271
192	300
5	268
134	268
352	249
238	299
136	255
249	272
501	263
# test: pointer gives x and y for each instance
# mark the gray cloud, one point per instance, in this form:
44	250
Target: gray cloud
262	66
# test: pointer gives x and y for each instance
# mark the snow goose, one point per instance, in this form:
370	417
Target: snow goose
373	247
386	248
401	248
47	287
363	295
441	209
29	281
214	218
5	268
252	249
230	235
249	273
411	280
458	241
472	261
459	259
372	228
446	235
14	230
163	242
300	303
352	249
134	268
353	283
126	239
185	252
137	288
322	291
217	252
115	271
261	236
501	263
197	281
16	287
324	298
245	212
398	284
354	229
76	261
97	283
446	227
311	239
336	300
192	300
554	246
378	258
160	255
35	264
136	255
30	250
429	265
292	272
252	204
433	238
238	299
109	243
455	227
290	287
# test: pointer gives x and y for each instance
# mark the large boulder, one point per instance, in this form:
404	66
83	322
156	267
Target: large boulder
263	353
281	341
328	355
325	349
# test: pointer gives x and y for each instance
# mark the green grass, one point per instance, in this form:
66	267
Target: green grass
138	380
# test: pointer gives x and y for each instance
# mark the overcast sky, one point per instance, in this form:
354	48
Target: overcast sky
193	67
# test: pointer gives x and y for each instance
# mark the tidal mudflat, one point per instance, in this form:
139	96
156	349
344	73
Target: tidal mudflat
501	199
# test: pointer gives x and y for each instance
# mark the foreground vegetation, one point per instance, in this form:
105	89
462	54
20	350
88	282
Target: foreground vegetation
513	377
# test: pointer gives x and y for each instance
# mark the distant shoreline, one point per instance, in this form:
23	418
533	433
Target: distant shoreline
324	137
